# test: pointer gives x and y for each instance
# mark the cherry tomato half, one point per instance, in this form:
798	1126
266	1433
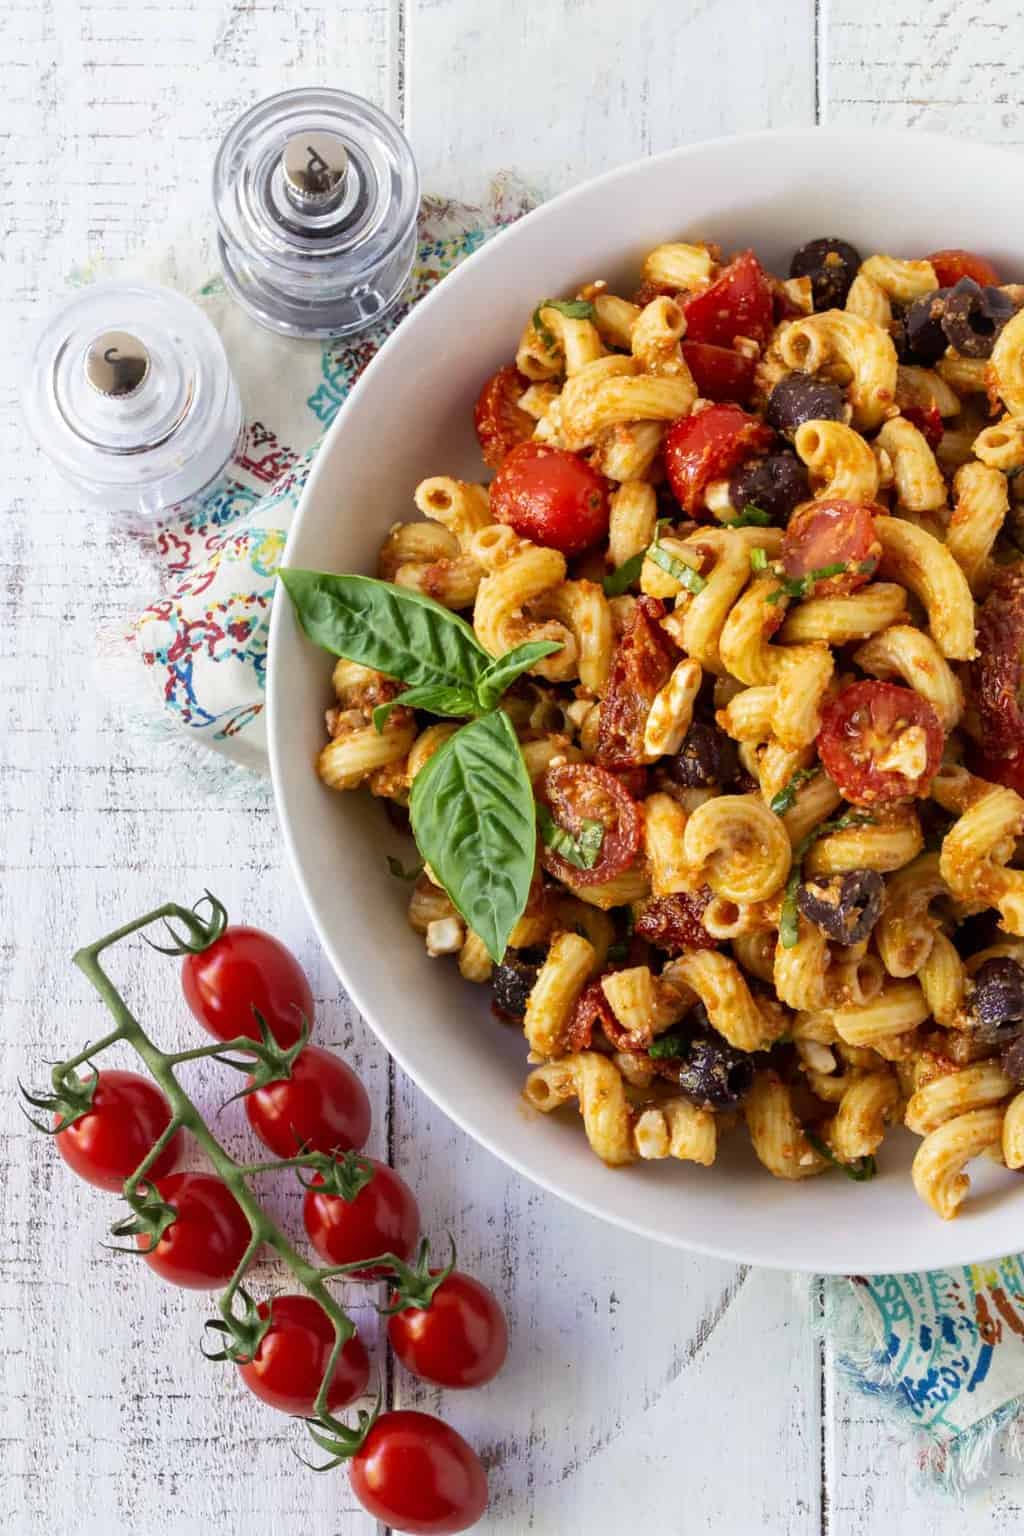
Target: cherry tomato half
416	1473
718	372
204	1246
383	1218
289	1364
880	742
997	673
709	446
127	1115
247	969
579	792
950	266
826	533
738	303
322	1106
552	497
1008	771
500	424
641	666
459	1340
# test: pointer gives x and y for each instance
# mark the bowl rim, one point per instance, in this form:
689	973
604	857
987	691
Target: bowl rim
858	139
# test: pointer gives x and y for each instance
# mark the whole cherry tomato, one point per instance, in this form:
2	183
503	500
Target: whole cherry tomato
382	1218
709	446
204	1245
321	1106
718	372
500	423
243	970
950	266
291	1358
823	534
551	497
416	1473
576	793
127	1115
738	303
880	742
459	1340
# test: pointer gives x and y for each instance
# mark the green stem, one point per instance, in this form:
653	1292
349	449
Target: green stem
301	1161
161	1066
226	1303
131	1184
241	1043
90	1051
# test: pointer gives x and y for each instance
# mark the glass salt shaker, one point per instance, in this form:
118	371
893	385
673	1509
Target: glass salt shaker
131	395
316	194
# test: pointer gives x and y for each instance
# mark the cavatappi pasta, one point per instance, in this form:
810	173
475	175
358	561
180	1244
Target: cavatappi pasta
769	528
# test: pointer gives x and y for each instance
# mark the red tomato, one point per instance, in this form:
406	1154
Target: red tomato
996	673
928	421
718	372
738	303
416	1473
552	497
127	1115
205	1244
950	266
641	666
825	533
322	1106
459	1340
676	923
579	792
1008	771
500	424
247	969
383	1218
709	446
880	742
289	1364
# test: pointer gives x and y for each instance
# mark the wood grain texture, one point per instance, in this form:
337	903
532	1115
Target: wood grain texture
643	1382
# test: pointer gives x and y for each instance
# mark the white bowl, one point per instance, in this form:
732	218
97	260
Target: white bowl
411	416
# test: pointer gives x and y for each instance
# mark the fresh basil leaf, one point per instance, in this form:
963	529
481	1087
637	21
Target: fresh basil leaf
860	1170
758	560
400	873
822	572
685	574
473	819
581	852
393	629
437	700
572	309
501	673
616	582
751	517
786	797
668	1046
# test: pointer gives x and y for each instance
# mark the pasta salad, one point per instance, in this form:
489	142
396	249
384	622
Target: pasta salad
705	712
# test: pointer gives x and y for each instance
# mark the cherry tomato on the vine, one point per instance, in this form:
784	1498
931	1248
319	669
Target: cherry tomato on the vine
709	446
127	1115
880	742
950	266
322	1106
243	970
290	1361
552	497
459	1340
382	1218
416	1473
204	1245
828	533
738	303
500	423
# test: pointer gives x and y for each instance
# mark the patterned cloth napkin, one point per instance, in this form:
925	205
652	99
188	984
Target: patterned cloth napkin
944	1351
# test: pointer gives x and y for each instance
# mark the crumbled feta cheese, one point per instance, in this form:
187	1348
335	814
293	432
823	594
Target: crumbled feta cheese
445	936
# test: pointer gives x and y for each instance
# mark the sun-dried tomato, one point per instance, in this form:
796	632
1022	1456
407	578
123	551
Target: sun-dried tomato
928	421
592	1011
676	922
995	675
642	665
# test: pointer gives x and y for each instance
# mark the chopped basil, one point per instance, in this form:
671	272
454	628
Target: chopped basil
572	309
667	1047
581	852
860	1170
786	797
758	560
616	582
789	925
801	586
750	517
685	574
400	873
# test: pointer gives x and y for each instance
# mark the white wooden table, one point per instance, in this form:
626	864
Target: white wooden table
646	1388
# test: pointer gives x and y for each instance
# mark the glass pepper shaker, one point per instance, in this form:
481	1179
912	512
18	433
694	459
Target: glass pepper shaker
316	195
131	395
